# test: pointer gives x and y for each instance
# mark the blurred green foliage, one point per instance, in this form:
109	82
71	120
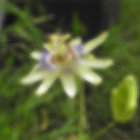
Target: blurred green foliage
21	115
78	28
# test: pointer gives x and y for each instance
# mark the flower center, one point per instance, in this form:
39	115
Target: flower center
61	51
62	59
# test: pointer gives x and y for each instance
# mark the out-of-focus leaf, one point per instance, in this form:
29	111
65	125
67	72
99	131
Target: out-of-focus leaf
77	26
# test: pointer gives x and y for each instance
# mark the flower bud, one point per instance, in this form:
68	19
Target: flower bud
124	100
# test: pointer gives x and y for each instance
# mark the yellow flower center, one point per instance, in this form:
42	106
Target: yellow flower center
62	59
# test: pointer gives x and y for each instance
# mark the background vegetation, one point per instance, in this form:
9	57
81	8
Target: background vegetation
24	116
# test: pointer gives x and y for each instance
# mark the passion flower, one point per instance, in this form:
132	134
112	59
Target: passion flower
65	58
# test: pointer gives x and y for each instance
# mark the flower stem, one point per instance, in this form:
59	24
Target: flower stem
82	113
104	130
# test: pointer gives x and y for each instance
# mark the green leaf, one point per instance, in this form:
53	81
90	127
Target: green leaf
77	26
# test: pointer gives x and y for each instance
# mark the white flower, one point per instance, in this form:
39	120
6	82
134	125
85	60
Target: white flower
64	58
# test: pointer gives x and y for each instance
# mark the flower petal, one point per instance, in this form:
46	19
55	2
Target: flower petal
46	84
34	76
69	84
89	75
97	63
36	55
92	44
75	41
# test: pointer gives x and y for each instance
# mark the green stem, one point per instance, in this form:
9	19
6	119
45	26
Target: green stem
82	113
104	130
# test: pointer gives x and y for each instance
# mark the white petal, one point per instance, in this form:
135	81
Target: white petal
36	55
34	76
89	75
48	47
75	42
92	44
46	84
97	63
69	84
66	36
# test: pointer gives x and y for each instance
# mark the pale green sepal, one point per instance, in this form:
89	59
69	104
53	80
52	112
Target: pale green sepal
34	76
46	83
36	55
96	63
69	84
92	44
